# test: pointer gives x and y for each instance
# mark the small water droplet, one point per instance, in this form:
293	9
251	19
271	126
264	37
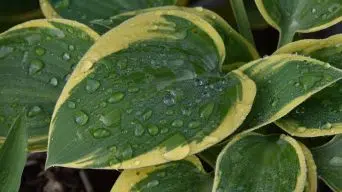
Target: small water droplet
147	115
177	123
138	129
326	126
152	183
71	105
34	111
206	110
66	56
133	89
127	152
116	97
164	130
336	161
274	102
153	130
54	81
169	100
111	118
35	66
100	133
186	112
40	51
113	149
194	124
81	118
92	85
71	47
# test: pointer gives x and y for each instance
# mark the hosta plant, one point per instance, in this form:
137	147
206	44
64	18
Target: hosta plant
161	91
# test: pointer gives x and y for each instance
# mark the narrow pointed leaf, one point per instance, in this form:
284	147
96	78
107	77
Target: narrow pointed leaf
183	175
13	156
86	11
238	49
284	82
36	58
328	158
303	16
154	96
322	113
257	163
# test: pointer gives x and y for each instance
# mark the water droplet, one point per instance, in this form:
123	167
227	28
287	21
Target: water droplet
71	47
164	130
169	100
161	174
40	51
186	112
153	130
34	111
103	104
71	105
4	51
92	85
66	56
177	123
81	118
127	152
35	66
111	118
152	183
334	8
147	115
309	80
336	161
133	89
113	149
54	81
206	110
199	9
313	10
326	126
116	97
340	108
100	133
274	102
194	124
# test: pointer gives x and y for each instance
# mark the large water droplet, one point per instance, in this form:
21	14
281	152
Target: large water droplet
40	51
35	66
111	118
92	85
100	133
153	130
54	81
34	111
116	97
336	161
206	110
81	118
147	115
177	123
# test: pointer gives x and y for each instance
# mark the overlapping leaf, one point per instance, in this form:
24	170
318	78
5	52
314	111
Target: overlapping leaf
258	163
36	58
183	175
303	16
153	96
322	113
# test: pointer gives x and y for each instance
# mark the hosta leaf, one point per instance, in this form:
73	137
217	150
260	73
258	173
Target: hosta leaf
183	175
311	175
13	156
322	113
258	163
154	96
35	60
303	16
328	158
238	49
284	82
85	11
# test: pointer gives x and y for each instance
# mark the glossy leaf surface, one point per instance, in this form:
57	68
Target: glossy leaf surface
156	95
184	175
257	163
328	158
322	113
284	82
36	58
13	156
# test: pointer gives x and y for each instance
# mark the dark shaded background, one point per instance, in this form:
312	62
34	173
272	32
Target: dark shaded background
35	179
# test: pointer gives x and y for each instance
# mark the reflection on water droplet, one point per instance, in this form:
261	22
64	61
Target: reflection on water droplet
66	56
71	47
100	133
92	85
206	110
34	111
336	161
147	115
40	51
326	126
274	102
71	105
169	100
152	183
81	118
177	123
194	124
153	130
111	118
54	81
35	66
116	97
164	130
